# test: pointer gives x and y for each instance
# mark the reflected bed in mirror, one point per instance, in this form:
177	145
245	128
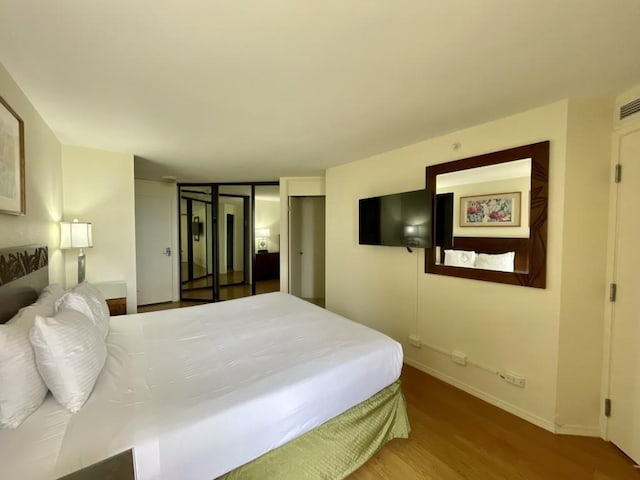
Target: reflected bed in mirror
484	233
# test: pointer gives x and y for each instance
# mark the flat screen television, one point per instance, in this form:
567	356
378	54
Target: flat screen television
397	220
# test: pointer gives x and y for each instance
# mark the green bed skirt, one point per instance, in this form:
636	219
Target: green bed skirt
336	448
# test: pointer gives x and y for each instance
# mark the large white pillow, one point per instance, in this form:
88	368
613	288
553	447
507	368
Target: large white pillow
459	258
50	295
22	390
70	353
502	262
86	299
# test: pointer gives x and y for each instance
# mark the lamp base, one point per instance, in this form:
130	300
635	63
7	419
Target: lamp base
81	266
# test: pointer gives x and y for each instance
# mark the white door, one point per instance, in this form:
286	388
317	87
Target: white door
307	244
154	241
624	390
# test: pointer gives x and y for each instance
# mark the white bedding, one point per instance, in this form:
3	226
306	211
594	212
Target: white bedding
202	390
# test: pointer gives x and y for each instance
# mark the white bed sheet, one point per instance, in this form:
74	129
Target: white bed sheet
200	391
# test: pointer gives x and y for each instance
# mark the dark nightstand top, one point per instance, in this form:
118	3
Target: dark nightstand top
118	467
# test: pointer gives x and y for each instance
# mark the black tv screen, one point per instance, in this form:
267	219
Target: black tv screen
398	220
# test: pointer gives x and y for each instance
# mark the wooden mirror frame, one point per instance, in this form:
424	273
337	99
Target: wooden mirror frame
536	274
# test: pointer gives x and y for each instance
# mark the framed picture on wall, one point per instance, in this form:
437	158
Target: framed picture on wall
12	186
495	210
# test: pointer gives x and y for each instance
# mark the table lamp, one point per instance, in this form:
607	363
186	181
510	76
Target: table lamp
77	235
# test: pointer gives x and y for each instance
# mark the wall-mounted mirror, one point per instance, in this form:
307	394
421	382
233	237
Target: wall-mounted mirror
491	216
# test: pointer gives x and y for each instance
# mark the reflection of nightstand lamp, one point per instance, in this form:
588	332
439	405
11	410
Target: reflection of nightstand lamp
76	235
262	239
412	235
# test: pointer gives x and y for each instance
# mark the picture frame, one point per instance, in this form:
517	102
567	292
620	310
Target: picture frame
12	181
493	210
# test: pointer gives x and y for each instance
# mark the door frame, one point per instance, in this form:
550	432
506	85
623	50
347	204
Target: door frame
628	128
293	187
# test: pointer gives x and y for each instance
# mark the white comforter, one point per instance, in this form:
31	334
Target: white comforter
202	390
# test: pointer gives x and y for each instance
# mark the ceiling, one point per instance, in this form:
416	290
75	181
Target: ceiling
206	90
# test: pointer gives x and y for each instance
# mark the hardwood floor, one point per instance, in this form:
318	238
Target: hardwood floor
456	436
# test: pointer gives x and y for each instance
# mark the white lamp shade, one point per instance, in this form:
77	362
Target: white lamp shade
75	235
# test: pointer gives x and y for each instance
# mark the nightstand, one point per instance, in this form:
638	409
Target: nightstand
115	293
118	467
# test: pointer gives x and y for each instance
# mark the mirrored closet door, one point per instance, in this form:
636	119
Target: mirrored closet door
229	240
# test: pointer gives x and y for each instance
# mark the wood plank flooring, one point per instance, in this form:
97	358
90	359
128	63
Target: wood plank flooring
457	436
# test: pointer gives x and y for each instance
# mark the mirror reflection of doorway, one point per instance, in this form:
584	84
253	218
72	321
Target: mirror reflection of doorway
219	252
196	240
230	228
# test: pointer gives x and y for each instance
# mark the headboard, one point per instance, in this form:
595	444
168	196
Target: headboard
24	273
497	245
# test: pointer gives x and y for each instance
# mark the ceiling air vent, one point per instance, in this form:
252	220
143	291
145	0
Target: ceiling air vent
630	108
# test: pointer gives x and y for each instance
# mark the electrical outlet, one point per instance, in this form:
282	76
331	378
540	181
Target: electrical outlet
415	341
459	357
513	378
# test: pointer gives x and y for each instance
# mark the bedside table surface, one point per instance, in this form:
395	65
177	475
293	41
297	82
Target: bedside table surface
117	467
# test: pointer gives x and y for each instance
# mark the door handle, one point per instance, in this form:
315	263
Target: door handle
167	251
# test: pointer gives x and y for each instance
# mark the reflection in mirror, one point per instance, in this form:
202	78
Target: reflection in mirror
491	216
482	208
267	239
229	240
196	239
234	208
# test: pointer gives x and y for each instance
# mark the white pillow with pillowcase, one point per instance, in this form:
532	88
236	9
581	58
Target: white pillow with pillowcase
50	295
70	352
22	390
85	298
502	262
459	258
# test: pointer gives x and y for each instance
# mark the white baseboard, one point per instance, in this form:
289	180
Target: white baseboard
513	409
582	430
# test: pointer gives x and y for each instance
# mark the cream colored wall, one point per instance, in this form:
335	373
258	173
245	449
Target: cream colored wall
43	172
498	326
521	185
99	188
584	287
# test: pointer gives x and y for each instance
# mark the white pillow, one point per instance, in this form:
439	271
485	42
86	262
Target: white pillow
91	292
502	262
88	300
70	353
459	258
50	294
22	390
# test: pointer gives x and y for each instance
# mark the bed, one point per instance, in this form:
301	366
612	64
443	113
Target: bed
263	387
